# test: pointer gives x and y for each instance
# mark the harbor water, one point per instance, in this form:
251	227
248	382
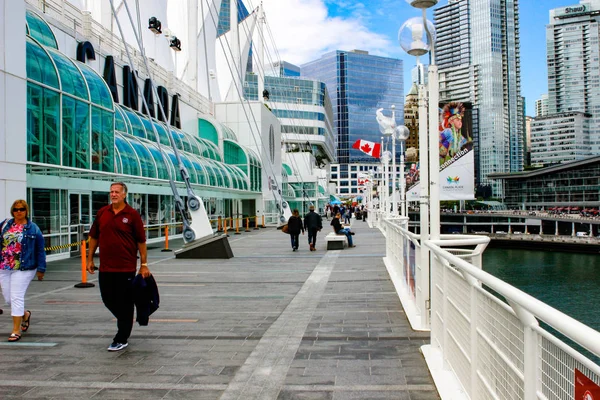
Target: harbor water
569	282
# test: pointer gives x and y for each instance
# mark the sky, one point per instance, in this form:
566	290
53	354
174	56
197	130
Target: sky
303	30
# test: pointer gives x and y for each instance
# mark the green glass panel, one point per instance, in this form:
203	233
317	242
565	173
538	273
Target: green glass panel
39	65
287	169
99	93
71	80
145	158
200	169
40	30
173	159
128	158
137	128
207	131
120	123
177	139
183	138
103	140
162	134
43	115
76	133
163	172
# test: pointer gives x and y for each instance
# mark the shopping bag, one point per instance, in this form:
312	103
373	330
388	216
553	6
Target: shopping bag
284	229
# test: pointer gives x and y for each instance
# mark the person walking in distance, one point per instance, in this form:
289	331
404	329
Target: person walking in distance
119	231
294	229
312	224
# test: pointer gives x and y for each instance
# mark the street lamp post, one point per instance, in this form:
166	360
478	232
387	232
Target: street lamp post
417	37
388	127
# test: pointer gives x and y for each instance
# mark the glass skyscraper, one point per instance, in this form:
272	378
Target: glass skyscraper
488	73
573	54
359	84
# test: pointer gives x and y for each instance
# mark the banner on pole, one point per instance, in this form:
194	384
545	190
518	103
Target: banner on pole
457	161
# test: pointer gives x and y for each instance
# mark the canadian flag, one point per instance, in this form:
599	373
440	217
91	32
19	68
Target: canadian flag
370	148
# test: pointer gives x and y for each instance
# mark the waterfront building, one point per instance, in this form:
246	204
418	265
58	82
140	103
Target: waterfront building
541	106
359	84
477	51
303	107
559	138
75	120
574	184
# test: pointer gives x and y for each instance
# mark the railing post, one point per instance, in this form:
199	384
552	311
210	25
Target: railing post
263	222
255	222
219	224
247	224
237	226
530	351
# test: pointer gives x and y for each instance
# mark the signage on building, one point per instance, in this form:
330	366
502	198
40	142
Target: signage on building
85	50
571	11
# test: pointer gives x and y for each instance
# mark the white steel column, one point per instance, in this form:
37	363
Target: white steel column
13	97
424	293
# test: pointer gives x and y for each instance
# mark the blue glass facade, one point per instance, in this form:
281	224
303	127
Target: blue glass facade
359	84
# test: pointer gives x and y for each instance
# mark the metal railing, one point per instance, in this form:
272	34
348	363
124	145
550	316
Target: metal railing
485	334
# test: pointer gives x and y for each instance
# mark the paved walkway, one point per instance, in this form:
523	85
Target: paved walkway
267	324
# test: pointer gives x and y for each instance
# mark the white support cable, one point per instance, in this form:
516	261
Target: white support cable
222	39
302	122
298	121
202	226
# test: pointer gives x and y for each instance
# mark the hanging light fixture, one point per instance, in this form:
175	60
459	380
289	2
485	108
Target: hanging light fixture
154	25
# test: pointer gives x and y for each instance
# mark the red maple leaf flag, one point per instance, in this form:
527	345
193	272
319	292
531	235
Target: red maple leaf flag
370	148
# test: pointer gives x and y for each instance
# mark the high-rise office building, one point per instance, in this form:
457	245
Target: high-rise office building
477	51
359	84
541	106
573	55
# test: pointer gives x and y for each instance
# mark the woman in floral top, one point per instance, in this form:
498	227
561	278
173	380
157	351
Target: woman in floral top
22	257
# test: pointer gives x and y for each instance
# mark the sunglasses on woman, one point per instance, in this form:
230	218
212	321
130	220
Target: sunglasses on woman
22	209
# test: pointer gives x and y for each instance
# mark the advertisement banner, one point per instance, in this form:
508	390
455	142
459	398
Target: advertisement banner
585	388
457	161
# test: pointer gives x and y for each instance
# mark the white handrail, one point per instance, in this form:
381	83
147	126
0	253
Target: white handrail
570	327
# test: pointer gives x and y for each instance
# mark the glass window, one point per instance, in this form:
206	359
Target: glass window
103	140
128	157
99	93
76	133
42	125
71	80
137	128
145	157
38	29
39	66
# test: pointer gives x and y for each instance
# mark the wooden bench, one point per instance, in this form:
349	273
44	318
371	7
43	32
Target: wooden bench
335	241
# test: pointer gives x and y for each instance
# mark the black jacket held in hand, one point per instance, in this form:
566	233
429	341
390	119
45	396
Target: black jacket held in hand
146	298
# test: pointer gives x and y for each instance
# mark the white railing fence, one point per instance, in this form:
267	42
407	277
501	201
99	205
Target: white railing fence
482	346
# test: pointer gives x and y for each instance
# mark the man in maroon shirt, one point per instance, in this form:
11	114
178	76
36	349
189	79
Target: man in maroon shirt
119	230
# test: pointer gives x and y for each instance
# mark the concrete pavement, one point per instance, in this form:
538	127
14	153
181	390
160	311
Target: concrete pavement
267	324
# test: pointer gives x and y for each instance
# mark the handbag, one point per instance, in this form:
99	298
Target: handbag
284	229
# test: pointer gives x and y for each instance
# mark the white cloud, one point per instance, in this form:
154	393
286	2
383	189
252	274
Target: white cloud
303	31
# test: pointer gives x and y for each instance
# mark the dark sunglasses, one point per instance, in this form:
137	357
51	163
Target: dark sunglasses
23	209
